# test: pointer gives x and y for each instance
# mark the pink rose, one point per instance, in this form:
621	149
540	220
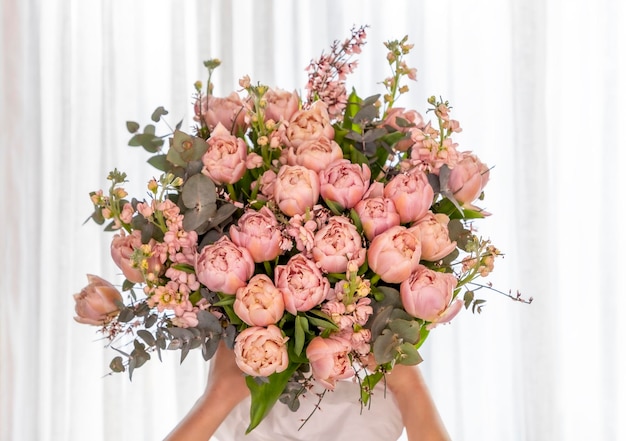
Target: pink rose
313	123
411	117
395	253
468	178
377	214
229	111
266	183
258	232
411	194
302	284
281	105
435	237
97	303
314	154
259	303
225	159
329	360
223	266
427	295
261	352
344	182
336	244
296	189
122	248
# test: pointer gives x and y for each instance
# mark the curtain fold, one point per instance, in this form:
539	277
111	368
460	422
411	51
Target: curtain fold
538	87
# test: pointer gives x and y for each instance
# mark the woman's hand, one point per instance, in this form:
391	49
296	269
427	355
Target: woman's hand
419	414
226	387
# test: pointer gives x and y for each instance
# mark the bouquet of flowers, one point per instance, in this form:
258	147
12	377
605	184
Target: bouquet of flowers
321	236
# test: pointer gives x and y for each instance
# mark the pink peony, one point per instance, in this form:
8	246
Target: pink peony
411	194
344	183
302	284
261	352
122	248
259	303
281	105
223	266
258	232
336	244
395	254
377	214
296	189
329	360
314	154
435	237
468	178
97	303
411	117
229	112
305	125
427	295
225	159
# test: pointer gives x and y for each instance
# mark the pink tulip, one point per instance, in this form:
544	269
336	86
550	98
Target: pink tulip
307	124
122	248
229	112
411	194
258	232
97	303
296	189
261	352
314	154
468	178
281	105
395	254
259	303
377	215
427	295
302	284
225	158
336	244
224	267
435	237
329	360
344	183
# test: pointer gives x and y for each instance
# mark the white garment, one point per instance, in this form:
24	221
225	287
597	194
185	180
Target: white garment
339	418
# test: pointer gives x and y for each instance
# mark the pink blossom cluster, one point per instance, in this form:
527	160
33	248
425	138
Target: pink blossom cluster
327	75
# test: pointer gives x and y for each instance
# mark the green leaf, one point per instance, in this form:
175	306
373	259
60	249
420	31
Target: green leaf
186	148
117	365
160	162
264	395
367	385
299	334
409	355
132	126
147	337
407	330
158	113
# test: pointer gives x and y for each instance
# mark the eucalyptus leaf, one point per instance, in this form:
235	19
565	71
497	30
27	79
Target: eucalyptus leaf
199	191
150	320
409	355
147	337
209	322
117	365
132	126
158	113
229	336
210	347
160	162
384	347
126	315
407	330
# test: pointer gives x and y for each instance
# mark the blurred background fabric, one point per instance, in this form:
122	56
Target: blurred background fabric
538	87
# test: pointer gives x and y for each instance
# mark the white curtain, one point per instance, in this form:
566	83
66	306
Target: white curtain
538	87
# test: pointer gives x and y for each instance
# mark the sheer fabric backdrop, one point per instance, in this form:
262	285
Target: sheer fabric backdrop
538	87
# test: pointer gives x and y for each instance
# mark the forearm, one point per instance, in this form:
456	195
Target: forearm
419	413
202	420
